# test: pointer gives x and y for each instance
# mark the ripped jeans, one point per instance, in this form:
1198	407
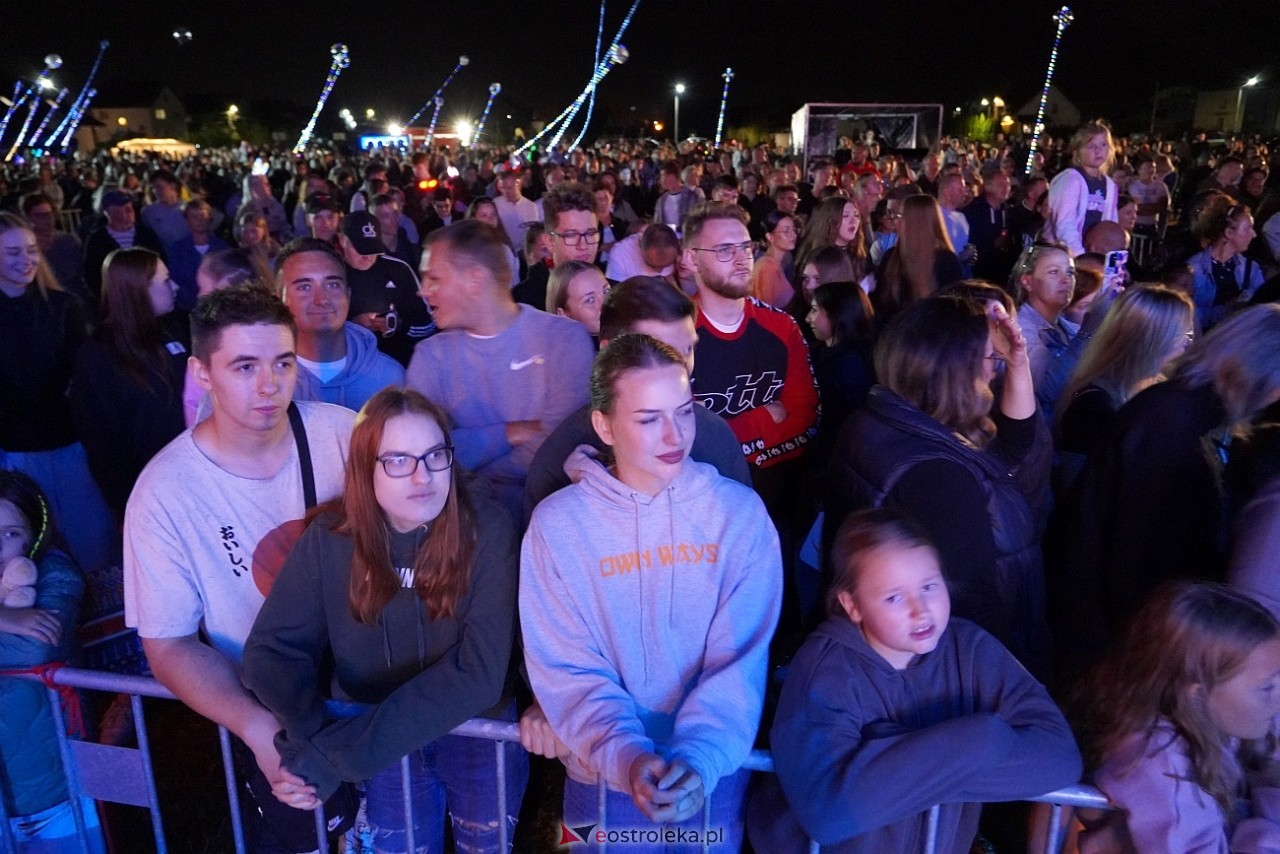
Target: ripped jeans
454	775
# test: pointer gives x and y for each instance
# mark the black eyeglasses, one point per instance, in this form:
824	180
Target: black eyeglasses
573	238
726	251
404	465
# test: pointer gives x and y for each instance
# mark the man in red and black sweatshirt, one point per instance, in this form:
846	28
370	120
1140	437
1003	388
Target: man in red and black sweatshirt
751	367
752	364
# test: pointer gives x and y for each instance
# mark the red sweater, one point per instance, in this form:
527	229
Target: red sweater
762	361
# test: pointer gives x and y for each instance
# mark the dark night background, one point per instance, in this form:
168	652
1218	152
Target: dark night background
1113	57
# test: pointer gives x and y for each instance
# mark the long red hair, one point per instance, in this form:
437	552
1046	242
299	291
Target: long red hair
442	566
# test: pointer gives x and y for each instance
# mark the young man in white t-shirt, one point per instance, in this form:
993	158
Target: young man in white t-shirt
214	514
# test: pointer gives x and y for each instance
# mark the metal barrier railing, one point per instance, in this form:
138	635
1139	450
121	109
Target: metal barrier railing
121	775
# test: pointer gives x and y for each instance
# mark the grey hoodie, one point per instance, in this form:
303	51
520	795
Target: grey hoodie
647	621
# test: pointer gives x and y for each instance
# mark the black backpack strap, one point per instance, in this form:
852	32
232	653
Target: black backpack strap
304	456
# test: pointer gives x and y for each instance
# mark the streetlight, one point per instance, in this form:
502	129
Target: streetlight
1252	81
997	104
675	128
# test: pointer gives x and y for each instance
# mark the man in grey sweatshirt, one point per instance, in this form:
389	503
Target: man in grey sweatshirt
507	374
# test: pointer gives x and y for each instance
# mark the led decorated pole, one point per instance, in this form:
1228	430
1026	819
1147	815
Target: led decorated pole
341	60
618	54
33	104
75	119
57	103
435	117
595	63
1064	18
724	100
21	94
435	96
494	89
614	56
77	106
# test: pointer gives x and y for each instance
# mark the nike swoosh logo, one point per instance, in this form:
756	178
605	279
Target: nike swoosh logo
520	366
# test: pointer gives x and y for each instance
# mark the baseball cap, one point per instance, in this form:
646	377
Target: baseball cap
361	228
113	198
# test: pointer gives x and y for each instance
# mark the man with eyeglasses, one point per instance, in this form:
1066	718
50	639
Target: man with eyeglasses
752	364
569	216
507	373
216	511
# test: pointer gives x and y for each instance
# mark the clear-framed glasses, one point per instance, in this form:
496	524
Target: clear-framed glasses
573	238
404	465
726	251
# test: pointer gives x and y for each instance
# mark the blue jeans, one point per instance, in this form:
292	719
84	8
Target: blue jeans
53	831
625	828
454	774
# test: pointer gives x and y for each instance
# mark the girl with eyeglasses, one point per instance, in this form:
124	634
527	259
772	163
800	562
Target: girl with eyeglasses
408	584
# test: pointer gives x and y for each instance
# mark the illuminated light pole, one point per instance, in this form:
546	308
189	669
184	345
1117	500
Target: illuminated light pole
57	102
1063	17
616	55
675	127
435	97
341	59
724	100
494	89
81	101
31	92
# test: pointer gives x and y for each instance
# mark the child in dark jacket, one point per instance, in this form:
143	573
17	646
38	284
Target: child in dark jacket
890	707
32	785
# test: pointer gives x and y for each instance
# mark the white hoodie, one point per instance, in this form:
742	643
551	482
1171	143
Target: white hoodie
647	621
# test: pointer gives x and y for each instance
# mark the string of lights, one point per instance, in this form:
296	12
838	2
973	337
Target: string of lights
341	59
75	109
595	63
21	94
494	89
75	119
57	104
435	97
1064	17
435	117
33	104
614	56
724	100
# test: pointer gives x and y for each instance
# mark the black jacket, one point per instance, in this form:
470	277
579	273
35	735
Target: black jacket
1150	509
39	338
891	454
121	422
99	244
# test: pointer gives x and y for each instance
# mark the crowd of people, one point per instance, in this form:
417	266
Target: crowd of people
902	454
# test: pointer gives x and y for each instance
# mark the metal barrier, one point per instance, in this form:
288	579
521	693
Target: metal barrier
121	775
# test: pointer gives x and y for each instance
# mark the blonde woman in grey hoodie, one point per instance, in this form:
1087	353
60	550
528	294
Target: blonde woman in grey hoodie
647	630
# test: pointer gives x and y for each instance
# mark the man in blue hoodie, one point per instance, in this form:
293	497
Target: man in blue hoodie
338	361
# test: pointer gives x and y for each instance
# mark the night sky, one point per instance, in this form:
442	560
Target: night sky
783	53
